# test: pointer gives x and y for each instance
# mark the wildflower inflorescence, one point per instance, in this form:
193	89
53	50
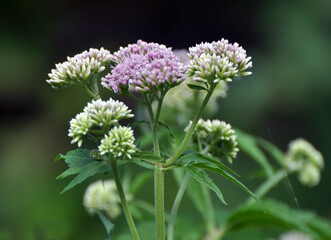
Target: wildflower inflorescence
77	70
217	138
118	143
216	61
306	160
102	196
100	114
144	67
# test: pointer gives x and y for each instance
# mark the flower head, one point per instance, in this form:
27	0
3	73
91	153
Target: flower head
78	69
97	114
144	67
118	143
102	196
216	61
306	160
217	138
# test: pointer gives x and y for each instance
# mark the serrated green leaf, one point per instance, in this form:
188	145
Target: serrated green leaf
194	191
228	176
90	170
278	215
248	144
78	157
76	160
139	181
105	221
203	178
69	172
147	156
192	158
196	87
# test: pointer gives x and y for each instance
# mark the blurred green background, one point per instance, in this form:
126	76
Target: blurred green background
288	95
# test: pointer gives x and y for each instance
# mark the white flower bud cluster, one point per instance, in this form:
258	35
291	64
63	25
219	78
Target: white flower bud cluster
107	113
216	61
217	138
118	143
306	160
294	235
97	114
102	196
80	68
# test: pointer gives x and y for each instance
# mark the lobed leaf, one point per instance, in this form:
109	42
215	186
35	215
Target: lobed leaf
89	170
228	176
203	178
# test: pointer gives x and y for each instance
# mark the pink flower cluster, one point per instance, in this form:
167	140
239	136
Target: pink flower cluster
147	67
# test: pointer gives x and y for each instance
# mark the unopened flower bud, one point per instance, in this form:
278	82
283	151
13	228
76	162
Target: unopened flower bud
119	143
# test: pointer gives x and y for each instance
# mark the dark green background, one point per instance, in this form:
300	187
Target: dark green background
288	95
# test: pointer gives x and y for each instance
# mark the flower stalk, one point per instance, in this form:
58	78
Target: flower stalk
125	206
189	133
175	206
158	173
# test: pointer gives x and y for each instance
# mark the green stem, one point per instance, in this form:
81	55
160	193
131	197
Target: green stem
125	206
189	133
211	222
269	184
158	173
175	206
159	203
91	93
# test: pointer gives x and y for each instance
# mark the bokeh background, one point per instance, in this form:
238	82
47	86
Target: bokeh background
288	95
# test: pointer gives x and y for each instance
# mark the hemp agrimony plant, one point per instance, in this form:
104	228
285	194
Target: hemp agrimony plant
147	72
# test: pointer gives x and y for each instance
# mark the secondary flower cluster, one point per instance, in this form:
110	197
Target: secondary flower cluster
216	138
306	160
102	196
97	118
145	67
119	142
78	69
216	61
